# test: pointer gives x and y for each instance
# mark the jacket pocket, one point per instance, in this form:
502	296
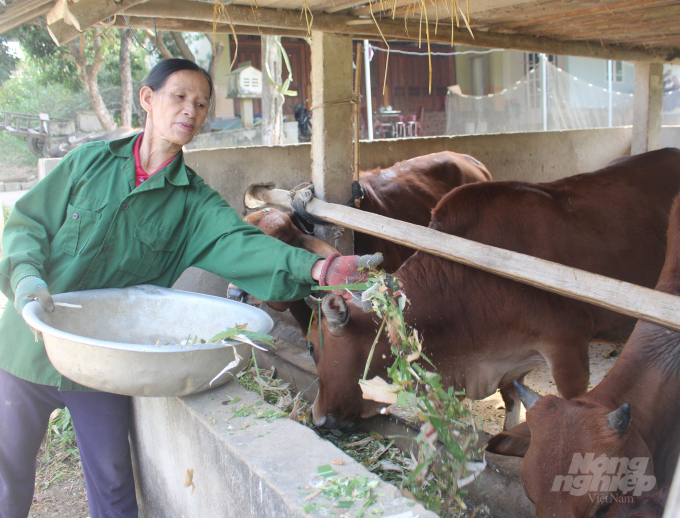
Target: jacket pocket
82	216
150	251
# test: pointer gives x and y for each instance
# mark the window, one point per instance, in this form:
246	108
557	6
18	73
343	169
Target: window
617	71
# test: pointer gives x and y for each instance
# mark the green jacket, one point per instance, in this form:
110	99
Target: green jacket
86	226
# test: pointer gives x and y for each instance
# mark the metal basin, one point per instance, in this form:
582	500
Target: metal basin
110	343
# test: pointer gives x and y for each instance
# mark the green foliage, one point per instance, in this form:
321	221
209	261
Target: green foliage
59	451
449	457
6	212
43	58
27	93
15	151
60	434
8	61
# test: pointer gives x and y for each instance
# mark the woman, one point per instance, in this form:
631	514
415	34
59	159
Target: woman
115	214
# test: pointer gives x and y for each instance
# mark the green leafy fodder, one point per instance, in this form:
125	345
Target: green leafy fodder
448	456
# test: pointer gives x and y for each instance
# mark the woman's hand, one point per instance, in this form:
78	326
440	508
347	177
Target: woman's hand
30	288
339	269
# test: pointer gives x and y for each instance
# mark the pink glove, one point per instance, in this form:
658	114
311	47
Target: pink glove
344	269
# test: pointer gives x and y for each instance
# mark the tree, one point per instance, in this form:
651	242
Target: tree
125	78
8	62
176	46
274	89
41	51
88	70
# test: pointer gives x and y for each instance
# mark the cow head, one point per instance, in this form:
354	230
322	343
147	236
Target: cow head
340	357
279	225
578	455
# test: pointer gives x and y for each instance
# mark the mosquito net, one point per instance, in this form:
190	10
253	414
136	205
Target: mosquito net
544	99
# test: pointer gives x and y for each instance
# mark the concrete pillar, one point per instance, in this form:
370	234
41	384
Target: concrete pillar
332	150
647	107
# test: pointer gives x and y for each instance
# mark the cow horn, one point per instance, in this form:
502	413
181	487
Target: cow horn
335	309
619	419
527	396
312	302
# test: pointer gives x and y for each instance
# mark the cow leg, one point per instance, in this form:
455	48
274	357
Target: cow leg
512	405
570	370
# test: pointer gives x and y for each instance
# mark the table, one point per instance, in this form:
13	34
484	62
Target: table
388	120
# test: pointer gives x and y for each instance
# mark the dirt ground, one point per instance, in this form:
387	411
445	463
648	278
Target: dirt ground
491	411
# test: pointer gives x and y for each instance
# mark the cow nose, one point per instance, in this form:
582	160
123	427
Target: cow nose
320	422
234	293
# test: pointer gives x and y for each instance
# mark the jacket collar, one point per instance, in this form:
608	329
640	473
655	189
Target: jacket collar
175	172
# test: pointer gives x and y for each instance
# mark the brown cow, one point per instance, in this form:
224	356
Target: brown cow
647	506
484	331
407	191
633	413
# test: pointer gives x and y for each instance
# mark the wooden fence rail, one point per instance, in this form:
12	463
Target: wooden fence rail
623	297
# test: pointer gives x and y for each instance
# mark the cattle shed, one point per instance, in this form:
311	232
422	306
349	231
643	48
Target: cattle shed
247	472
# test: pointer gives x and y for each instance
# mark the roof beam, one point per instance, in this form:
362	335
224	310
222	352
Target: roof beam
15	16
67	20
478	6
398	30
171	24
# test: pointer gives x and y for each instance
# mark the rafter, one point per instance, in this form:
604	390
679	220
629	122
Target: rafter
398	29
67	20
169	24
15	16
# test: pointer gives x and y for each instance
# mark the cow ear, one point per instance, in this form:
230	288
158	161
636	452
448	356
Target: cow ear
335	310
514	442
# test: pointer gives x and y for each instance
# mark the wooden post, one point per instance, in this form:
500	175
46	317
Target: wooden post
647	107
332	126
623	297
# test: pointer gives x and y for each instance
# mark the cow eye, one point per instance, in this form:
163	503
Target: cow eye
311	349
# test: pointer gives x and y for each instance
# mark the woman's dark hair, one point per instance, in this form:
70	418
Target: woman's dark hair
159	74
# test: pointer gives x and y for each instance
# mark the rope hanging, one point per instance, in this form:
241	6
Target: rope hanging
155	45
299	196
356	99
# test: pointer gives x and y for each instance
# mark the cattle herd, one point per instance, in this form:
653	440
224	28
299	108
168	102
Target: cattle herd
484	332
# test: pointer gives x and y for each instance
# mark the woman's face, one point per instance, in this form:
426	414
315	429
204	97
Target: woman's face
176	111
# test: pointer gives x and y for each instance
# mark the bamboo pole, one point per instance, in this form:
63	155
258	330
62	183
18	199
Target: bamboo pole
357	106
629	299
